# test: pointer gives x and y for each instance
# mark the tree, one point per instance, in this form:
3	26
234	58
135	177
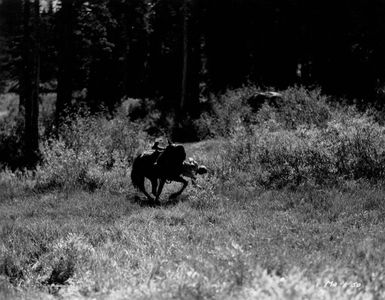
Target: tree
10	31
191	66
30	81
98	60
188	107
65	59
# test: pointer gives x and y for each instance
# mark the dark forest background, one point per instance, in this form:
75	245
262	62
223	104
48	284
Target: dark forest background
179	53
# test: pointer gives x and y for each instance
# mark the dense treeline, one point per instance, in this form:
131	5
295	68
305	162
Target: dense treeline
136	48
98	52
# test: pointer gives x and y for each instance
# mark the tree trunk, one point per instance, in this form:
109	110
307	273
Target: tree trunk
30	83
185	56
189	104
64	91
25	82
189	108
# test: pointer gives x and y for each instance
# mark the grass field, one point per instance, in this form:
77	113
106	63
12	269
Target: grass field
217	242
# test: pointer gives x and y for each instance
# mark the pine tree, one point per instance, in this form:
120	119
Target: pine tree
66	59
30	81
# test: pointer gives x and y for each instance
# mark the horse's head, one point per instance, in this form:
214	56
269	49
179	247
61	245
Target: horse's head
202	170
191	169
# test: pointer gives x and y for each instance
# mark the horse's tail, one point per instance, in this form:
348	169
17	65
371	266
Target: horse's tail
137	177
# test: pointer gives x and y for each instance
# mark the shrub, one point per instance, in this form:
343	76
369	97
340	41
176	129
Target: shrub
11	143
145	112
224	113
231	108
297	107
12	128
275	157
102	136
89	151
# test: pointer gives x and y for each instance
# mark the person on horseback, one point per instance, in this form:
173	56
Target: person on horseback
170	162
156	147
163	164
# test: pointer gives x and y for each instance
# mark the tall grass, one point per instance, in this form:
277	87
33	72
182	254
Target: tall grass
273	245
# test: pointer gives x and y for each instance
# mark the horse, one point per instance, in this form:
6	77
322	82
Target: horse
165	164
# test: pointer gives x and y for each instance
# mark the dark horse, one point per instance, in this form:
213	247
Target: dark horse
161	163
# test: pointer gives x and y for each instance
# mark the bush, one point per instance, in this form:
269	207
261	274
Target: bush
11	141
89	151
102	137
297	107
272	156
230	109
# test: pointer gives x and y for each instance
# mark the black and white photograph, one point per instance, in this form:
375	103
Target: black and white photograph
192	149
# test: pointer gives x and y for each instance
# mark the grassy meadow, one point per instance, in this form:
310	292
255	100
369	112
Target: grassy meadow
292	208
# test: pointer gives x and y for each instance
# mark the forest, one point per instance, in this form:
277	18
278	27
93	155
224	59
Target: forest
280	103
178	54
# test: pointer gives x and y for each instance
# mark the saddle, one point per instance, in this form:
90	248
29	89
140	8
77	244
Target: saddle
170	159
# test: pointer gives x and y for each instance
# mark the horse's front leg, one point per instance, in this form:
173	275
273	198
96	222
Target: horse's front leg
154	185
160	188
143	190
194	183
181	180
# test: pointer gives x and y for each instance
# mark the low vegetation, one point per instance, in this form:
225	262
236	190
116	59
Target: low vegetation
292	208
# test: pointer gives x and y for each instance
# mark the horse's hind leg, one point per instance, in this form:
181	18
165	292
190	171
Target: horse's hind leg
143	190
160	188
148	195
154	185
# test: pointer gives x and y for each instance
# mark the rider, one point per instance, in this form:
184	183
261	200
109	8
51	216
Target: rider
156	147
171	159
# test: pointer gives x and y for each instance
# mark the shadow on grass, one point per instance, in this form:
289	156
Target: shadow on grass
144	202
